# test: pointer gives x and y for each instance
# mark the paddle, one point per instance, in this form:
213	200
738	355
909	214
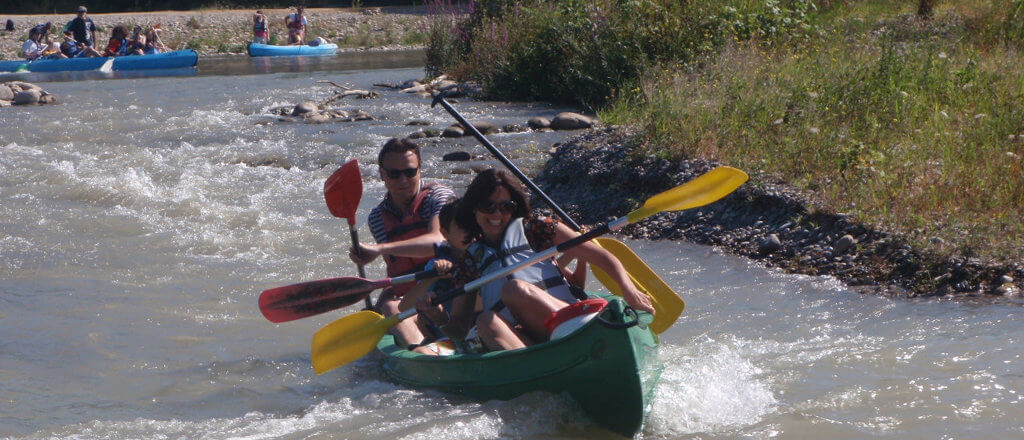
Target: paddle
302	300
342	192
667	304
108	65
354	336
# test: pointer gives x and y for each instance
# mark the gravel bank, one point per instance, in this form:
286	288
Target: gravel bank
762	220
228	31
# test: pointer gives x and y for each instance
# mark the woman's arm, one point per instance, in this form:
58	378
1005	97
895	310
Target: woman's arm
601	258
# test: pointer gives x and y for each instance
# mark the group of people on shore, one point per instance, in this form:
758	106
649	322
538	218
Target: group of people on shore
79	40
295	23
490	227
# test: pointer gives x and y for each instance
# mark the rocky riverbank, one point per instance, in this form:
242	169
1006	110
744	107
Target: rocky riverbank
228	31
763	220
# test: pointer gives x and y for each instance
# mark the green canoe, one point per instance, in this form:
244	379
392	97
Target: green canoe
608	366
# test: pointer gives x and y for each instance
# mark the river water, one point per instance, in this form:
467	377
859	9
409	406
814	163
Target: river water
141	218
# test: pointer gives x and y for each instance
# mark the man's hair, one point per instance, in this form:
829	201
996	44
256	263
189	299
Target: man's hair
399	146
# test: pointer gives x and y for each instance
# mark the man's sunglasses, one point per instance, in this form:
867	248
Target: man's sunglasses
394	174
506	207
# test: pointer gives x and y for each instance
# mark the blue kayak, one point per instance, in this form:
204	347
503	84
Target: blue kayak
266	50
166	60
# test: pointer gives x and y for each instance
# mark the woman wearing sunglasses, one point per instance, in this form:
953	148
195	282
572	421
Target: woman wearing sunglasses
497	213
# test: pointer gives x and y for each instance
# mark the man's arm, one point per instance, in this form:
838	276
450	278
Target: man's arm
418	246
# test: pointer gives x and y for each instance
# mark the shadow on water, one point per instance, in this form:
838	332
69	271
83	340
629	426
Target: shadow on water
245	65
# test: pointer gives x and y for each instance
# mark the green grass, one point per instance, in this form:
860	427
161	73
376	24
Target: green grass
914	125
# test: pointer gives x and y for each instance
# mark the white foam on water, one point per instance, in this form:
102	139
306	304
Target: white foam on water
708	387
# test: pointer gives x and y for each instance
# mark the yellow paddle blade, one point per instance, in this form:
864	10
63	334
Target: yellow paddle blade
667	304
348	339
706	188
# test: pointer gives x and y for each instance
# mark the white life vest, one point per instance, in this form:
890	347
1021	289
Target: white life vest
514	249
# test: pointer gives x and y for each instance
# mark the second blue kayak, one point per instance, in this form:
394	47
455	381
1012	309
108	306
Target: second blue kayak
266	50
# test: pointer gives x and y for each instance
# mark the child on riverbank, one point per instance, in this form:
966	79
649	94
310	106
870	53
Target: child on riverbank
260	32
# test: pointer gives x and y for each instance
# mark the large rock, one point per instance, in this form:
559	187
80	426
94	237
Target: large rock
457	156
6	94
305	107
25	85
538	123
571	121
27	97
486	127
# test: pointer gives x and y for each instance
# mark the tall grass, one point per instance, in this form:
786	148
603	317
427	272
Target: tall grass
913	124
917	126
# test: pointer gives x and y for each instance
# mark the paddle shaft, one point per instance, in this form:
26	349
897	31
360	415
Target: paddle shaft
369	286
355	245
508	163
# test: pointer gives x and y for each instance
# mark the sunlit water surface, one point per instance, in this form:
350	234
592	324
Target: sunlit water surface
140	219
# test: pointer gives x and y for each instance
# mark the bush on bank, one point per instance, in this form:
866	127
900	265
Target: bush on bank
909	123
587	52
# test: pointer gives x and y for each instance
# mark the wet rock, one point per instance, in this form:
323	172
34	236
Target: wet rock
513	128
453	132
25	97
305	107
318	118
478	167
461	171
47	98
571	121
457	156
1005	279
538	123
417	122
418	134
5	103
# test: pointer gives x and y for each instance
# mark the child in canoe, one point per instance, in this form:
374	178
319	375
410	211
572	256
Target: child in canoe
39	46
73	49
119	44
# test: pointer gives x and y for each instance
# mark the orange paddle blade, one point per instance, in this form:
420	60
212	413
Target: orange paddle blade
343	190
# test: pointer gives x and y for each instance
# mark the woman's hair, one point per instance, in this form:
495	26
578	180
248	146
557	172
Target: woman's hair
119	31
480	190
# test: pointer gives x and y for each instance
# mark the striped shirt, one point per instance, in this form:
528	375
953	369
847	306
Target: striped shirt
438	196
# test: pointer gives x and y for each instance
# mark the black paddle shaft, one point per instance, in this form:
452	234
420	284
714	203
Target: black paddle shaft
440	98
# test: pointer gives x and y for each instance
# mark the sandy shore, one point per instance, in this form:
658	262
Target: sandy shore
228	31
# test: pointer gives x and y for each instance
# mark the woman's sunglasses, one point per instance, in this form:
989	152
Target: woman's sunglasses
506	207
394	174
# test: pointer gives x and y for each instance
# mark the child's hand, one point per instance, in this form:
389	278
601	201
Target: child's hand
435	313
443	267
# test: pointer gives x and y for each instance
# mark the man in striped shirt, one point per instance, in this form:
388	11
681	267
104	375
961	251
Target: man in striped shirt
404	225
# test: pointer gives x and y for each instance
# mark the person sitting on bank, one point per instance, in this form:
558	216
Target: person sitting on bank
296	24
71	48
39	46
260	31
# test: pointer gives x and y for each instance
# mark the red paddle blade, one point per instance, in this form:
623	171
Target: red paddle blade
302	300
343	190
